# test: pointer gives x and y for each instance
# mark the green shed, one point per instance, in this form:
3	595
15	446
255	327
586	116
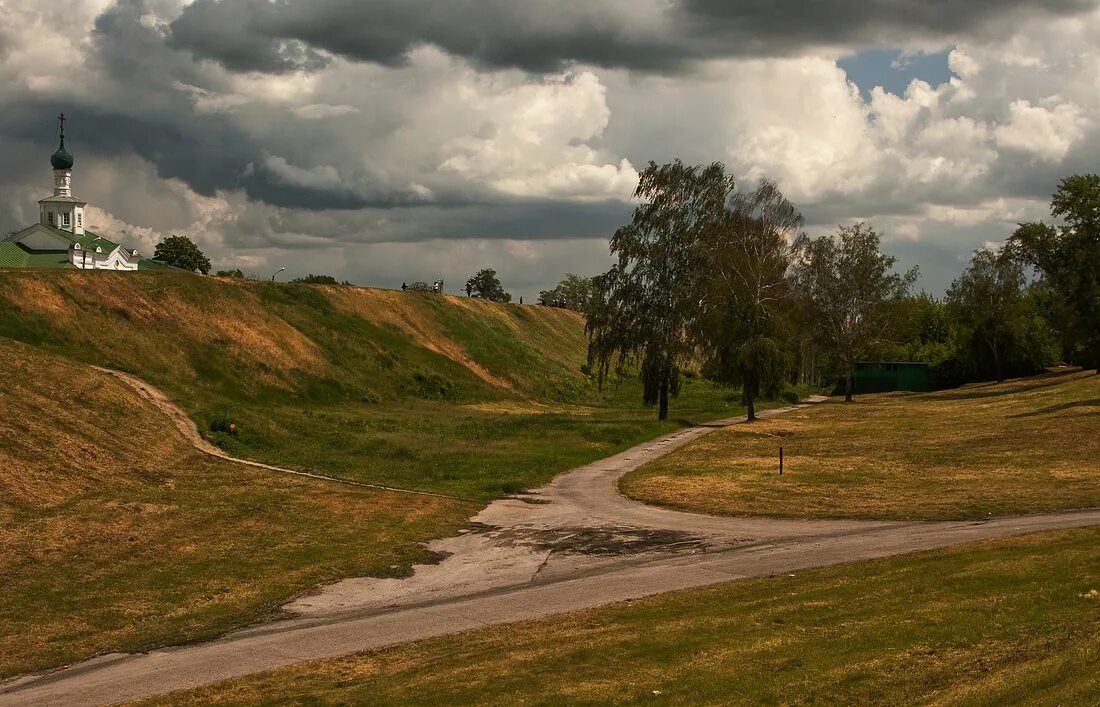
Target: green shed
887	376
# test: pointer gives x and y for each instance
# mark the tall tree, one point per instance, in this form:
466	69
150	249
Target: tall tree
1068	259
988	303
486	285
848	286
744	289
647	306
182	252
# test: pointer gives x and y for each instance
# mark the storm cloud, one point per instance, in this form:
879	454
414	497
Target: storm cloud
548	35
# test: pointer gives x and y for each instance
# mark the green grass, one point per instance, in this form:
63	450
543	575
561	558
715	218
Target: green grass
413	390
1009	621
1023	446
118	536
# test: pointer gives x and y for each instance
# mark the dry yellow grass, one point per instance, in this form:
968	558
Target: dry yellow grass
115	534
407	314
1022	446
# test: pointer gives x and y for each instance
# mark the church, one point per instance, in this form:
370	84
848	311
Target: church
59	239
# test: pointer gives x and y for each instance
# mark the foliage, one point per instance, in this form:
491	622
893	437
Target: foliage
419	286
312	279
230	273
1068	260
574	292
486	285
744	286
432	386
848	288
920	330
997	321
182	252
646	308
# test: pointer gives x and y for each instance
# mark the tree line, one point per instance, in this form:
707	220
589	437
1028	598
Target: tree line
723	282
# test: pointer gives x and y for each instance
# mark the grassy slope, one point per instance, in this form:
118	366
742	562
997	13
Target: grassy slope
117	535
1023	446
993	623
325	378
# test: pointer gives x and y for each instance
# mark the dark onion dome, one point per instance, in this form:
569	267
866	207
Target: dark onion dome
61	159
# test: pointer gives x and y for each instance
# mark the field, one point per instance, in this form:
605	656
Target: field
1023	446
118	536
1012	621
412	390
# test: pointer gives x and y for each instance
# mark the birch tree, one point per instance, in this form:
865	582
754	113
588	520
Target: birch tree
848	285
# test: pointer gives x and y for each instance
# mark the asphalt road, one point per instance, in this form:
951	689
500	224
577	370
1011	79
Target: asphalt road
573	544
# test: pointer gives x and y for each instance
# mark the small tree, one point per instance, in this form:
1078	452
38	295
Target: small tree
182	252
486	285
574	292
237	273
848	286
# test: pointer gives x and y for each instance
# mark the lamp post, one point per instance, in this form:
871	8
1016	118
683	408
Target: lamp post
276	273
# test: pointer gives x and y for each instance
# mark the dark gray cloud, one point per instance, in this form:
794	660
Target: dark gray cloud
545	35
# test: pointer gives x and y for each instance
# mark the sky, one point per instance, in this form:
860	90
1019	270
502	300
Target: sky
383	141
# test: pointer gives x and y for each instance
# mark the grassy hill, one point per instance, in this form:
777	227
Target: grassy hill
408	389
257	340
118	535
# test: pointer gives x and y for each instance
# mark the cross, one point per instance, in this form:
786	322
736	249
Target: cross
62	119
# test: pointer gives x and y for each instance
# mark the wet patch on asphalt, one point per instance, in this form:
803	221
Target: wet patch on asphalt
602	542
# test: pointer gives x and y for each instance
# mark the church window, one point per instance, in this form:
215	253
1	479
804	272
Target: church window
79	218
65	218
49	218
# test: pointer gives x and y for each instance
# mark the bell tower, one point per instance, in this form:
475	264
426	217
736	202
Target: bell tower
62	211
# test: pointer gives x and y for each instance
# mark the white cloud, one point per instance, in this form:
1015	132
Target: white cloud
1046	133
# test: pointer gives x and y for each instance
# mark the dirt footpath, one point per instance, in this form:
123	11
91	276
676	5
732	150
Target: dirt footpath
574	544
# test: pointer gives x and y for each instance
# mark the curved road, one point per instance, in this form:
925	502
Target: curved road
574	544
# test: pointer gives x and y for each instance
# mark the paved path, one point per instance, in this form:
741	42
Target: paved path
573	544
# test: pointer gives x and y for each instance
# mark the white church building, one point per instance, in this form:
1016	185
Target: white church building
60	239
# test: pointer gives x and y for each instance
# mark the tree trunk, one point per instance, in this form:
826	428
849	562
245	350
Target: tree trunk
997	368
662	411
750	409
848	386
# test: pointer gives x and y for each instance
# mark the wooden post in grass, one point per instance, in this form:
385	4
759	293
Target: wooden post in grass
781	461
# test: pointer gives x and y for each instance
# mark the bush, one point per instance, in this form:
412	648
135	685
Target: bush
432	386
790	397
223	425
370	398
312	279
565	391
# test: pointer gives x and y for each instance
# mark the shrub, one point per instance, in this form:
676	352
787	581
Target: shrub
790	396
370	398
432	386
223	425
